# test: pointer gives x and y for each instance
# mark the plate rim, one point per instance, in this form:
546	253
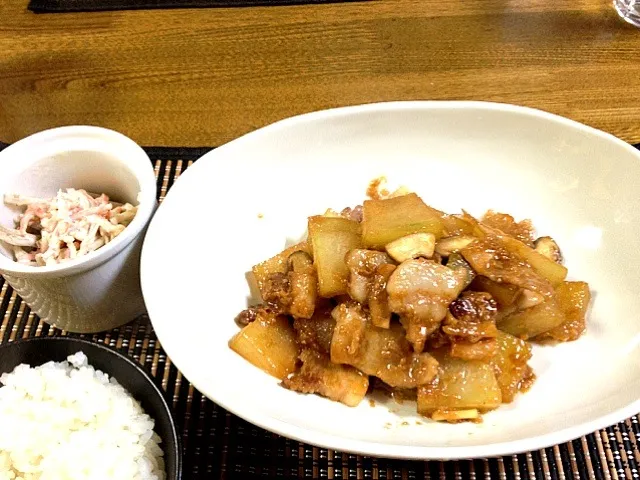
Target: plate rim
383	450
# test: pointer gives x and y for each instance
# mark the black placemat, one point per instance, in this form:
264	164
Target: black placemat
219	445
62	6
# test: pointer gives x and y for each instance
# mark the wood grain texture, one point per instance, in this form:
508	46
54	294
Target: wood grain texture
206	76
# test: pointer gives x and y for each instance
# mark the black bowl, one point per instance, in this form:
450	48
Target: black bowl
127	372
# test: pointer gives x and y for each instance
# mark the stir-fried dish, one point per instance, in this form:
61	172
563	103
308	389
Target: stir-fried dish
397	295
70	225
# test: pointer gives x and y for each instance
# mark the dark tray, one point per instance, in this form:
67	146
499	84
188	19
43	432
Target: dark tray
64	6
219	445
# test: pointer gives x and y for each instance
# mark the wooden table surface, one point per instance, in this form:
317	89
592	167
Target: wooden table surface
204	76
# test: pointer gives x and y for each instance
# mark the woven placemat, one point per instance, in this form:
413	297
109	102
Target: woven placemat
62	6
219	445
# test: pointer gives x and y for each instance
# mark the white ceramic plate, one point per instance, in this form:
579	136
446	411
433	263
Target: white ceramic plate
245	201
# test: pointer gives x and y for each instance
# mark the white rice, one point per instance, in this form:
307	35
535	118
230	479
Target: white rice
68	421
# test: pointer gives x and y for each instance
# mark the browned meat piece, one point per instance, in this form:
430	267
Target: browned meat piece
293	292
247	316
420	292
379	298
317	374
469	332
504	294
471	326
316	332
354	214
303	281
261	313
369	271
348	343
362	266
277	292
490	258
522	231
277	264
474	307
380	352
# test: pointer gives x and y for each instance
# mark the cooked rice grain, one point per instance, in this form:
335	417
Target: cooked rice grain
70	421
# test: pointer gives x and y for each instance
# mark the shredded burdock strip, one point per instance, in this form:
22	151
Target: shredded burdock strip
70	225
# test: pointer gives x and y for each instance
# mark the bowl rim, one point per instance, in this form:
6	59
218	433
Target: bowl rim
140	166
391	105
335	442
177	450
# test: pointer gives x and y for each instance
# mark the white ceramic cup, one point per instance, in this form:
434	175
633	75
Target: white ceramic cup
102	289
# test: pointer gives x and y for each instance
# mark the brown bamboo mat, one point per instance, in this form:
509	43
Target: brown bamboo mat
219	445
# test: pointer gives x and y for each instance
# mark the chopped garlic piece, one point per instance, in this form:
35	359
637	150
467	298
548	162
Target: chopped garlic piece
528	299
449	245
412	246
